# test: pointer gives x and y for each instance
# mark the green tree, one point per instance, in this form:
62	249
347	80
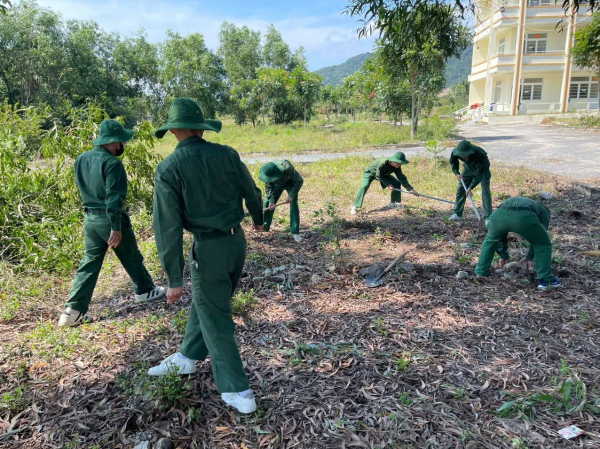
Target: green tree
586	50
306	87
276	53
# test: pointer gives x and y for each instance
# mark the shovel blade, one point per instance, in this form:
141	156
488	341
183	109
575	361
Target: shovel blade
372	281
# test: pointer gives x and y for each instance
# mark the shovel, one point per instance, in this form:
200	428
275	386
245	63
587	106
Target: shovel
425	196
375	281
474	207
277	205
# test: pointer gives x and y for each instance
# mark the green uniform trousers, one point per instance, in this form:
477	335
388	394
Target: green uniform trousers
294	210
96	233
396	196
461	196
216	265
527	225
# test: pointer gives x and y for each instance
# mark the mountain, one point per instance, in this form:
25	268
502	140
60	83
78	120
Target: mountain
334	74
457	69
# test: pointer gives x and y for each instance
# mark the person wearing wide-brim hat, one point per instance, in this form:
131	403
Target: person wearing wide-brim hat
200	187
279	176
476	170
102	182
382	170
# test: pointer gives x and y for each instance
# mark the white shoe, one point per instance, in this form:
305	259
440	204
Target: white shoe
297	237
455	217
353	211
156	293
71	318
395	206
173	364
486	223
243	404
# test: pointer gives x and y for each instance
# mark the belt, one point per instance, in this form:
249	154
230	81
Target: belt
98	212
217	234
516	208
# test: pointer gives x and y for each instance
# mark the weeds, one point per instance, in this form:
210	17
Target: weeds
243	302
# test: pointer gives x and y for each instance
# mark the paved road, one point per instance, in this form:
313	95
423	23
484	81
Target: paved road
560	151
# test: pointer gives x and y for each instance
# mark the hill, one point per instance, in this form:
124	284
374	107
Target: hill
334	74
457	69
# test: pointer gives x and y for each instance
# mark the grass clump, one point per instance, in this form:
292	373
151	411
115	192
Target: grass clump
243	302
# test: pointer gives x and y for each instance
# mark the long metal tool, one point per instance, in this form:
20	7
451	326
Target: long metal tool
473	204
425	196
277	205
376	281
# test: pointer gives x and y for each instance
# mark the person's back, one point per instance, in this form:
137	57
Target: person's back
91	171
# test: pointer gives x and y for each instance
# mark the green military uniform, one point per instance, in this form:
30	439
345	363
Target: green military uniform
102	182
476	171
279	176
530	220
200	188
382	171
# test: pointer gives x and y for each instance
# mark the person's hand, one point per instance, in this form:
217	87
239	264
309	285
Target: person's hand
391	187
272	206
469	192
114	239
173	294
289	199
503	262
459	177
258	228
414	192
528	262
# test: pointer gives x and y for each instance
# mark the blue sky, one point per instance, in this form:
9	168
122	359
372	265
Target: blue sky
327	36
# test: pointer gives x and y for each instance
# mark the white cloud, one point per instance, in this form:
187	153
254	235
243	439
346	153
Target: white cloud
327	40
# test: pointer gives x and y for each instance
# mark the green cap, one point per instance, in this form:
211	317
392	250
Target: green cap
399	158
463	149
270	172
185	113
112	131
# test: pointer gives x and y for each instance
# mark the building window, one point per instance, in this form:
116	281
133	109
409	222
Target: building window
536	43
498	92
584	87
502	46
538	2
531	89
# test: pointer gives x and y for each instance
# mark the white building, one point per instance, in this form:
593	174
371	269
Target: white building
518	43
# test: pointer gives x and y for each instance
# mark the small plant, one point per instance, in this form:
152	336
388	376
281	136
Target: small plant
460	393
179	322
330	223
243	302
405	399
170	390
380	326
434	149
15	401
519	443
403	364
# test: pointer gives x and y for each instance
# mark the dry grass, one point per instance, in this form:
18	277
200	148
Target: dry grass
423	362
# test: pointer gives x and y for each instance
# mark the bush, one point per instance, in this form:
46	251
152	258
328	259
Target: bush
40	205
435	128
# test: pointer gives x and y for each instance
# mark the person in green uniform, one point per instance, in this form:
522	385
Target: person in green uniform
476	170
279	176
102	182
382	170
200	188
530	220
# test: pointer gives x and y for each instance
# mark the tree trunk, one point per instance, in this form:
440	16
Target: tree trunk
336	113
413	106
305	115
400	119
419	96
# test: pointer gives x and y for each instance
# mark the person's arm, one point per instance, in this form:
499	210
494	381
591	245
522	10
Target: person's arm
116	190
483	167
403	180
298	181
168	227
269	192
252	200
455	164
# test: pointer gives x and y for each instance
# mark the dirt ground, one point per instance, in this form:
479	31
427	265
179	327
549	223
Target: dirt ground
425	361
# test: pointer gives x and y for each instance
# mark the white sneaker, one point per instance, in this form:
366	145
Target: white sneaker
156	293
395	206
243	404
455	217
297	237
71	318
173	364
353	211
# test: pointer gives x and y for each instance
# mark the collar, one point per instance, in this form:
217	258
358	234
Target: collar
100	148
189	140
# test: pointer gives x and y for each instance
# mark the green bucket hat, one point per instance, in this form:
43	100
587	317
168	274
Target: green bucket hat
463	149
271	172
112	131
185	113
399	158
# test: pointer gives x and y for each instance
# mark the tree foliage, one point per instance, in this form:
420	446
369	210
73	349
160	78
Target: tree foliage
586	50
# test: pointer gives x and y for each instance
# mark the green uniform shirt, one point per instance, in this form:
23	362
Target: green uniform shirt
102	182
477	166
290	177
521	203
200	188
382	170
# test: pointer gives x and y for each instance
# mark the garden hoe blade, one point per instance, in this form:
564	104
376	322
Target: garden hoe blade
375	281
